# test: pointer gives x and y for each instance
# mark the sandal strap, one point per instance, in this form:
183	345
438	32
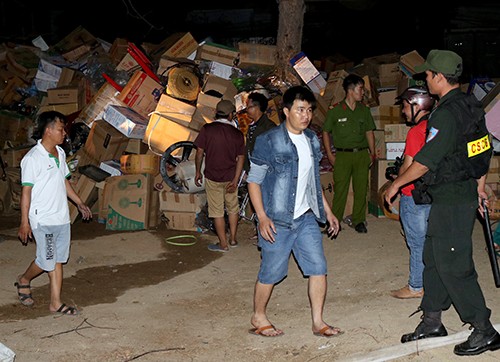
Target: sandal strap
23	296
21	286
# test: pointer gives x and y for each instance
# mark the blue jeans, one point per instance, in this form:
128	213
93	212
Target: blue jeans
414	219
303	239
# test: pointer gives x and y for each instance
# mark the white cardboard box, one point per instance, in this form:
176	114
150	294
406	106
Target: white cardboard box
126	120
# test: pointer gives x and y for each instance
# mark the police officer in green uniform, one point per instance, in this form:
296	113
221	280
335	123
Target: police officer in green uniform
449	274
350	125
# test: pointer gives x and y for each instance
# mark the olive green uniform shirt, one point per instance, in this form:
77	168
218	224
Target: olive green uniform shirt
348	127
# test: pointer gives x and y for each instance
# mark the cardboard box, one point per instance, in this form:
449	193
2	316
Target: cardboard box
128	64
141	93
218	53
205	111
94	109
395	132
103	143
136	146
112	167
131	164
408	62
377	176
334	92
389	74
394	149
128	201
12	156
85	188
174	109
177	45
60	95
371	95
126	120
308	73
256	54
66	109
383	115
387	97
379	143
175	201
185	221
15	128
224	87
162	132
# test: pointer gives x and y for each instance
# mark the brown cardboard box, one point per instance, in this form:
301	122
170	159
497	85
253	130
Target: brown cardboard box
256	54
12	156
15	128
136	146
177	45
66	109
141	93
175	201
85	188
61	95
225	87
334	92
205	111
94	109
174	109
395	132
379	143
129	198
388	97
389	74
181	221
409	61
383	115
131	164
218	53
104	142
163	132
377	177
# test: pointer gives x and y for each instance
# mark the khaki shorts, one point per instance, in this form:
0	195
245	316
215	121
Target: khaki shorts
218	197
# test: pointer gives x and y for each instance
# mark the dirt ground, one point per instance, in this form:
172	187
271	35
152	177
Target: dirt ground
144	299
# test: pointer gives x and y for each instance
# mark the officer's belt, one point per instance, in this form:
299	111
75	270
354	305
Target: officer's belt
351	149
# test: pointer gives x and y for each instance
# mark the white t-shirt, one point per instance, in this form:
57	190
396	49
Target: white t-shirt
47	176
305	164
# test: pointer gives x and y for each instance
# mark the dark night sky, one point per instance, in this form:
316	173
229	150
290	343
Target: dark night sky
353	28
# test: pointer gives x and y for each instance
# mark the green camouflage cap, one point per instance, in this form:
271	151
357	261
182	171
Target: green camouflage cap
442	61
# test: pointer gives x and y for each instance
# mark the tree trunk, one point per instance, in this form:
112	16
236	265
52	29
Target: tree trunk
289	39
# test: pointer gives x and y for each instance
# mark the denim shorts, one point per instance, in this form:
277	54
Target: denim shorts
52	245
304	239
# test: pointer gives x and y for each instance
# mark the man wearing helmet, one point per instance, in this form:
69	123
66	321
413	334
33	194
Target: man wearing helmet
416	104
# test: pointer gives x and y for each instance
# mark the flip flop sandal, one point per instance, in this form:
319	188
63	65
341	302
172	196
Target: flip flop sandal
67	310
25	299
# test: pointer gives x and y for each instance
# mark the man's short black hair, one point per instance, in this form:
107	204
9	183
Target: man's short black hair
298	92
46	119
260	100
351	81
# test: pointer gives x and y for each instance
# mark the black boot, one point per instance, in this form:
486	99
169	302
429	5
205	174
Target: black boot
430	326
483	338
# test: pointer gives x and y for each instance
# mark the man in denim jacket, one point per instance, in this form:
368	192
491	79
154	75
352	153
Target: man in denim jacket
285	189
